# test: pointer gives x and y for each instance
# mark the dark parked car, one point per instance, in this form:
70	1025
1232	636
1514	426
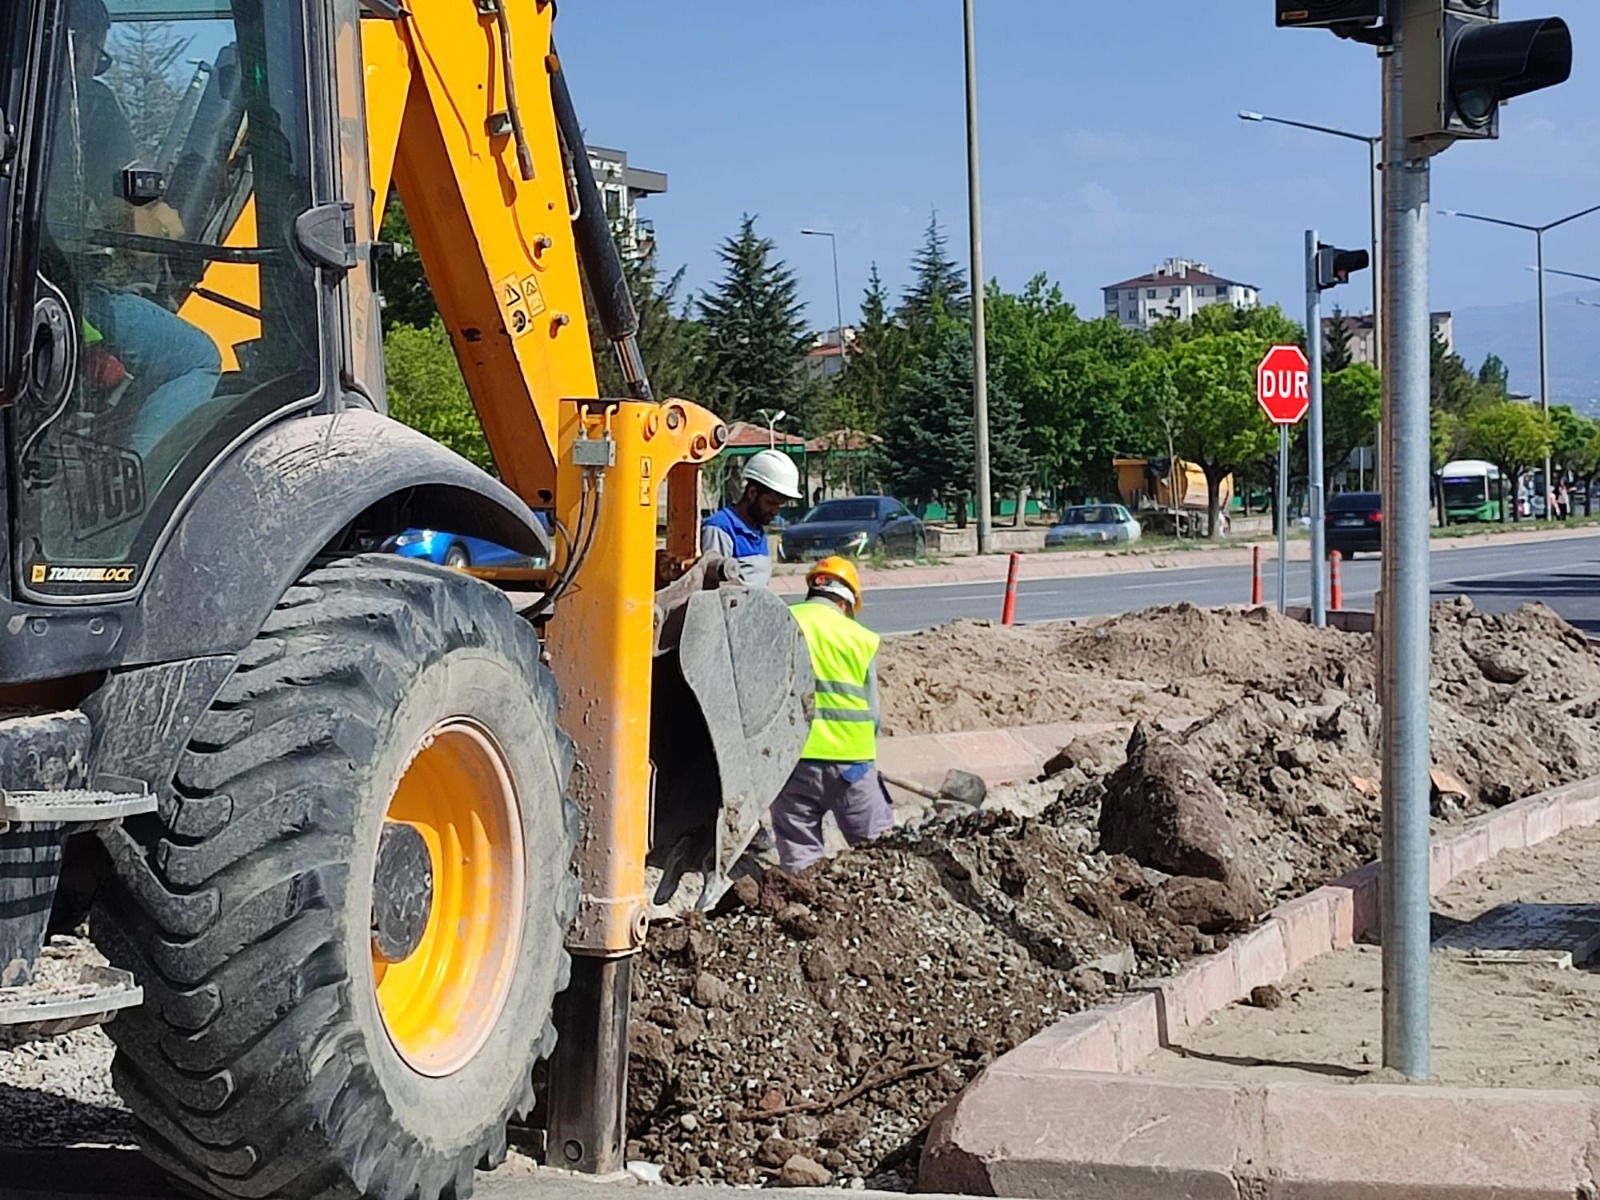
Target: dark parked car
1354	522
854	525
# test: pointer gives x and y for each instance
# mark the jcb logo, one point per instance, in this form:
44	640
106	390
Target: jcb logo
38	573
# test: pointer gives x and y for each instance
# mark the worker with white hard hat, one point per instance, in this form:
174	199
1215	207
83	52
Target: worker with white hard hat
837	772
738	530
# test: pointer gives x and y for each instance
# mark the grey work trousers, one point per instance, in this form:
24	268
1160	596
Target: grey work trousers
852	792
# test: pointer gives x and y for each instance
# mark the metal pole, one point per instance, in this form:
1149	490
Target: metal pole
980	355
1319	592
1404	640
838	304
1377	256
1283	518
1544	377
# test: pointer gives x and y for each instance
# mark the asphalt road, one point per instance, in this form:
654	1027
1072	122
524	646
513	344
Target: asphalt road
1565	574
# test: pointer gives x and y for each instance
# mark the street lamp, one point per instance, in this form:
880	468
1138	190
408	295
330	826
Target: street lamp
1570	275
1374	154
980	351
772	419
838	307
1538	232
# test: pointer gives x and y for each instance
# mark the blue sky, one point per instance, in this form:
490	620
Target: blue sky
1109	140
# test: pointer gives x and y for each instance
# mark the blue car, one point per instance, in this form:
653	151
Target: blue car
462	552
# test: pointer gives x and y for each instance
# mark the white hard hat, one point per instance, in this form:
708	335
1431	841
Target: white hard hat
775	471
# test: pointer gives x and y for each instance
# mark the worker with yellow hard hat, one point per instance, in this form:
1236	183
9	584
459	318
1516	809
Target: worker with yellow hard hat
837	771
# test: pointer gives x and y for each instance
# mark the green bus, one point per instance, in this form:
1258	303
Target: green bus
1472	490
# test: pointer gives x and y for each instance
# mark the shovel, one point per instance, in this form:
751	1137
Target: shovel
959	787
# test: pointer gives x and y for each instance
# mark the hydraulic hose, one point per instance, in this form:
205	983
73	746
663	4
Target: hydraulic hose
597	249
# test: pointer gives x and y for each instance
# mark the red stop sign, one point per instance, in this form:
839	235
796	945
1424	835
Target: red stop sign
1283	385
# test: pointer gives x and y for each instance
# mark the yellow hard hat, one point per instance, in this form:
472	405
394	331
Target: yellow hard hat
836	570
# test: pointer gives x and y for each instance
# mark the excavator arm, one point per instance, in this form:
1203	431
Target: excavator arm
689	704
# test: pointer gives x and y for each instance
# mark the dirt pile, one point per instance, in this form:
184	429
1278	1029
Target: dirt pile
830	1018
1512	709
833	1015
1179	661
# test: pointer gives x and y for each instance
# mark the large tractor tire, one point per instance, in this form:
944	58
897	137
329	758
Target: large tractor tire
349	919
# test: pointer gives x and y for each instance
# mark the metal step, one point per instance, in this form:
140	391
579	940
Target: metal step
43	1009
75	805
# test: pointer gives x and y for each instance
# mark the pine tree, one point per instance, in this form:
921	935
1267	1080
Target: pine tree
144	56
936	280
877	357
1494	378
669	339
1336	354
929	449
755	335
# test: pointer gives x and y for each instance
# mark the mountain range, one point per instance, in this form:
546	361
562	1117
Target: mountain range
1512	332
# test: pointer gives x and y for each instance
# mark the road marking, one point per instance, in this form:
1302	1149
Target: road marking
1149	587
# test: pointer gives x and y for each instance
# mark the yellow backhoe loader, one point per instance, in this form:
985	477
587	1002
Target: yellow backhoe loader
364	842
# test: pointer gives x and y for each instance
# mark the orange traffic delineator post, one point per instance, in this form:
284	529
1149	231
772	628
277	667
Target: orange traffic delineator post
1009	611
1255	574
1335	588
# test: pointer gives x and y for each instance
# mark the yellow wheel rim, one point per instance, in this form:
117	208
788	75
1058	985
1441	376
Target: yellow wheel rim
441	1001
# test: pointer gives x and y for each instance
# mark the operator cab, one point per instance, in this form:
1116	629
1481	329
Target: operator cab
172	311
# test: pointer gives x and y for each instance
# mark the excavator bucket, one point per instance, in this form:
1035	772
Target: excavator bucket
730	709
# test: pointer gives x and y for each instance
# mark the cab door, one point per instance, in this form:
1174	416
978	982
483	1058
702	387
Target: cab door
170	306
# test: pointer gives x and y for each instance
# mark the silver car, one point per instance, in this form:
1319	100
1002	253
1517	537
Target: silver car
1088	524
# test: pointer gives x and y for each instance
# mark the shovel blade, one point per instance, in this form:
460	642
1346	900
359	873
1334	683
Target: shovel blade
964	787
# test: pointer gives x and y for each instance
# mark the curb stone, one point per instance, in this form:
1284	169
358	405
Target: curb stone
1061	1112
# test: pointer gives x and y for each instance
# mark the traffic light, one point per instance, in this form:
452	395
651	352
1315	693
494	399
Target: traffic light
1320	14
1462	62
1334	265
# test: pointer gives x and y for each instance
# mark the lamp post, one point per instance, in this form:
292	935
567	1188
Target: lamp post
980	353
1571	275
1374	156
838	306
1538	232
772	419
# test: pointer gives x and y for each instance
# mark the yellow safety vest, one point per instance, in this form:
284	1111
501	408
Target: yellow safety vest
841	654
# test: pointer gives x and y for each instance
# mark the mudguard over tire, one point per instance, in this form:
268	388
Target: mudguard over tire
278	1053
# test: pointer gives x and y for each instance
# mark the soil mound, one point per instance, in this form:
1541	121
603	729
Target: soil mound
831	1017
1176	661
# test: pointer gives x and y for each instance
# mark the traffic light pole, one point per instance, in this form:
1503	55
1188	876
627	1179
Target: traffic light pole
1314	473
1404	628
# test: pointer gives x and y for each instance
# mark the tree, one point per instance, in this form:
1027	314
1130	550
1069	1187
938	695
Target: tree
1447	437
1513	437
1452	386
1336	354
755	336
1494	378
407	297
144	54
427	392
871	375
1352	404
936	283
1269	324
1069	379
671	343
1203	391
1573	440
929	448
